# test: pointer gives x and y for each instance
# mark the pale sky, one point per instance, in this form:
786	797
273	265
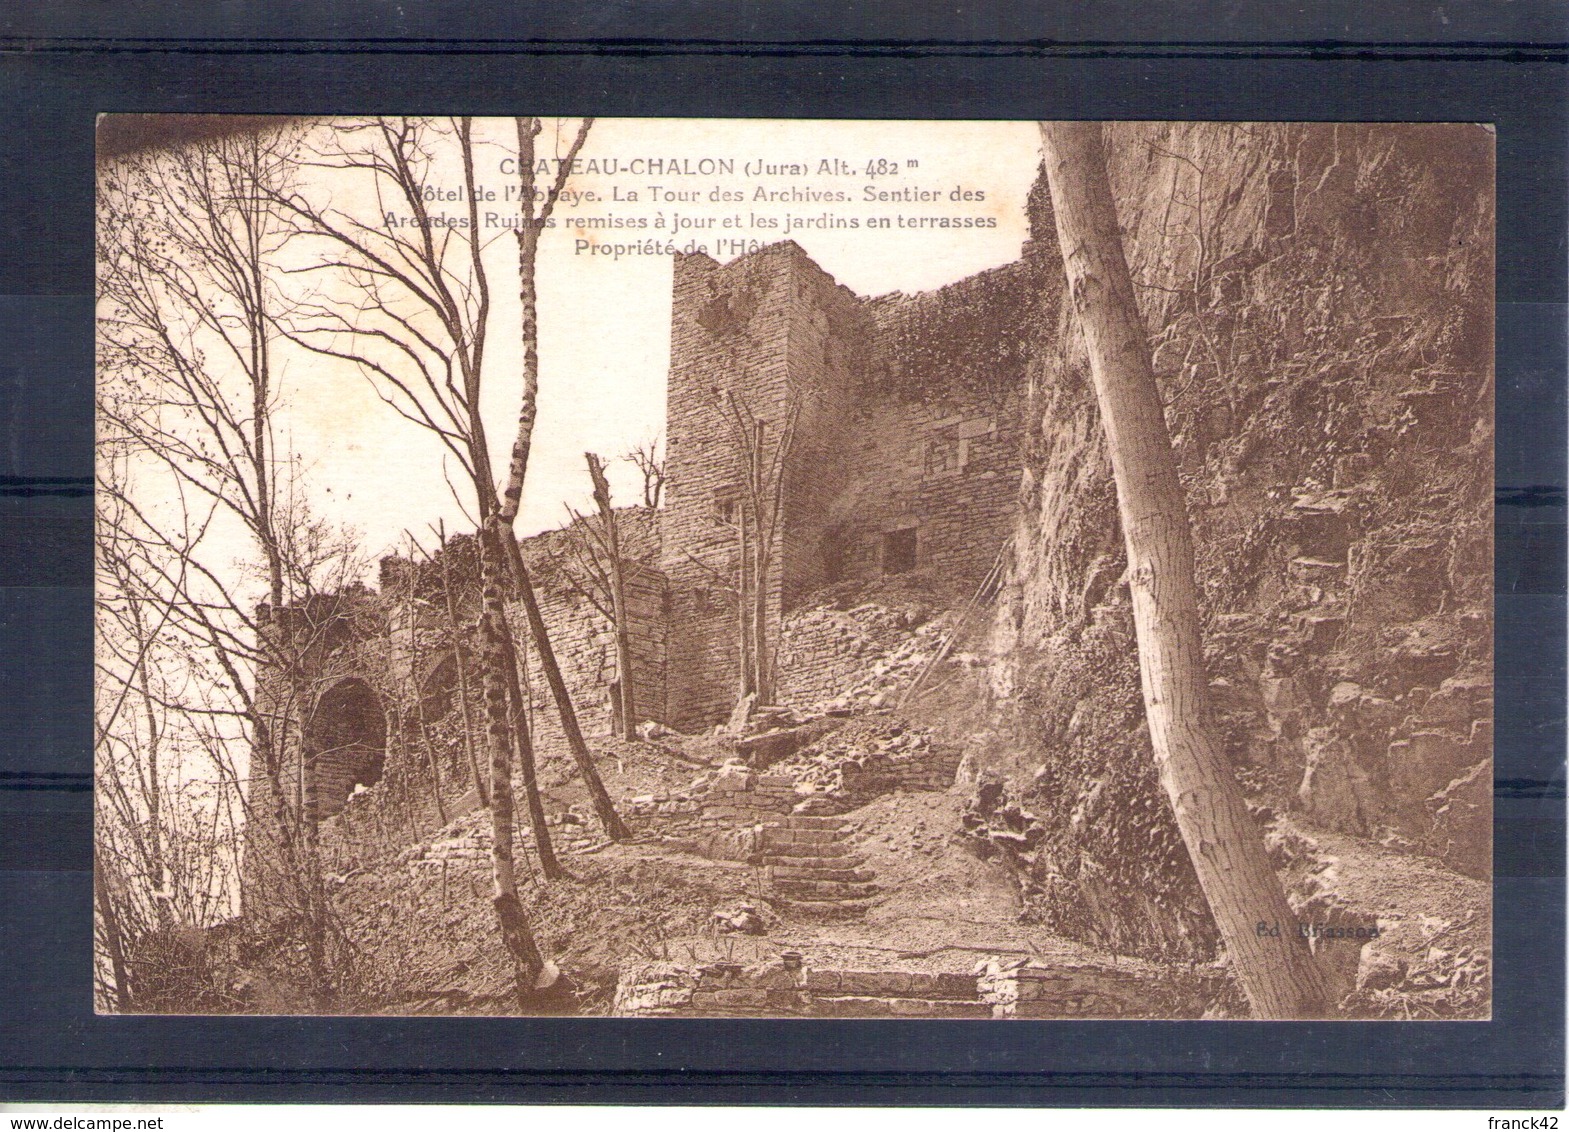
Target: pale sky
605	321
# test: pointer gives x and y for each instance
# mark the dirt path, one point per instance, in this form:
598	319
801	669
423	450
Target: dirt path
429	934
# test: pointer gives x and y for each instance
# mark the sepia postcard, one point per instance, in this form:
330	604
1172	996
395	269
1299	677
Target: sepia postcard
782	568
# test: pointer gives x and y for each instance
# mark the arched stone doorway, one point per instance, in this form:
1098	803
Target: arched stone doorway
346	744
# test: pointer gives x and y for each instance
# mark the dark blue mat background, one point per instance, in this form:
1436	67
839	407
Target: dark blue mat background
58	70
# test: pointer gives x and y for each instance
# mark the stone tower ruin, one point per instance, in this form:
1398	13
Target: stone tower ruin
904	457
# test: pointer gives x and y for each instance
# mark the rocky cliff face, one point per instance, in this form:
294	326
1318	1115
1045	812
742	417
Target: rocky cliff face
1319	305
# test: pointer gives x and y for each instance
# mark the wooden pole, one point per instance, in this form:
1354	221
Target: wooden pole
1280	976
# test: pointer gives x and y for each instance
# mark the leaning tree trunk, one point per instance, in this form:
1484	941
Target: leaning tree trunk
604	808
504	654
1280	976
532	224
527	961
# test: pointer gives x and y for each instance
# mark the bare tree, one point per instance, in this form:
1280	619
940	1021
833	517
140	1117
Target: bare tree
535	208
109	941
187	318
615	576
188	241
648	461
416	321
586	568
178	644
759	506
581	565
1278	972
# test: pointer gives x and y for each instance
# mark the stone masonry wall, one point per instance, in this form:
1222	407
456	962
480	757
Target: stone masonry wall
861	656
829	347
938	431
585	646
397	656
950	472
729	333
907	419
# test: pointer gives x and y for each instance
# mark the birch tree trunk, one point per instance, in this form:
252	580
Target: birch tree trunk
515	934
527	233
434	311
1279	975
504	655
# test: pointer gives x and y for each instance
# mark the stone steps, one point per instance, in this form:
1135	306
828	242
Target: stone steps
811	821
811	869
784	835
789	861
814	889
823	910
795	872
828	851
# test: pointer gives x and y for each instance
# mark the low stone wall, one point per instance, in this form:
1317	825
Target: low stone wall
740	794
847	767
932	770
779	991
464	844
678	815
1023	991
999	990
375	823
